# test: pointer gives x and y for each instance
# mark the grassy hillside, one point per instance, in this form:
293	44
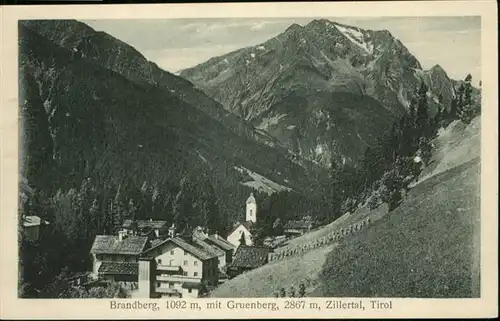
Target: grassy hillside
428	247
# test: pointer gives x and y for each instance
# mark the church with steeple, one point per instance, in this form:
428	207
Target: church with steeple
241	231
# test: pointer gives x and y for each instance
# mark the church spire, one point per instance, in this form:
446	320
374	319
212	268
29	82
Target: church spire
251	209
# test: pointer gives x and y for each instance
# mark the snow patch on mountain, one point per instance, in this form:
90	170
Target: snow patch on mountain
267	122
356	37
201	156
261	183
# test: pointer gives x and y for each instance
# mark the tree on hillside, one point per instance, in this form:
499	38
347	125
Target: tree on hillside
460	100
183	205
408	131
243	240
422	117
278	228
336	193
452	115
393	183
302	290
292	292
466	108
439	117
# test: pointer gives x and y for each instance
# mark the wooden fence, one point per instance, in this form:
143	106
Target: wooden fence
288	251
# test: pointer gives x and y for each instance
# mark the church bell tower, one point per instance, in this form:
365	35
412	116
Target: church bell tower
251	211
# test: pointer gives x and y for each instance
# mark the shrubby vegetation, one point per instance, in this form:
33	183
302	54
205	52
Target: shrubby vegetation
401	153
111	290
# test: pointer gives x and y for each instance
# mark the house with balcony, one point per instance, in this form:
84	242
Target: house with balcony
115	257
184	267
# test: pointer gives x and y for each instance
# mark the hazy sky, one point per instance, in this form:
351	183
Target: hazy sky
175	44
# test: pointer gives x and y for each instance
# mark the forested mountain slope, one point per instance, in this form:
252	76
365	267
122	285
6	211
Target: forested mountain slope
99	146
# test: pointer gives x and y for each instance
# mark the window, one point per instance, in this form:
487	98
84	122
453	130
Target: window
158	284
195	263
185	273
172	252
185	253
170	285
159	261
190	290
171	262
195	274
185	262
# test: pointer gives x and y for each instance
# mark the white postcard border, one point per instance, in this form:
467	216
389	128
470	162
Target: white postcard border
12	307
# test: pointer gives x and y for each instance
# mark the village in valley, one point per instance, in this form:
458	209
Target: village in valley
149	259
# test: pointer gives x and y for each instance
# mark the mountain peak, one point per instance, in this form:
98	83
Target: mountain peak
437	67
438	70
294	27
320	22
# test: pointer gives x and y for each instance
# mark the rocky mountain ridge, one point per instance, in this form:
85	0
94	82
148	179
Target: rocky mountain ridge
321	89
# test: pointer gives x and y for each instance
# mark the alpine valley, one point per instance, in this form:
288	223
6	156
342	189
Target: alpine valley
320	122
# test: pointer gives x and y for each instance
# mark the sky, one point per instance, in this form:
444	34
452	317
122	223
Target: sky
176	44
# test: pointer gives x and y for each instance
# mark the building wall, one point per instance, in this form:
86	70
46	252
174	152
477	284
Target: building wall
211	271
190	293
229	256
171	254
32	233
177	286
119	277
234	238
222	261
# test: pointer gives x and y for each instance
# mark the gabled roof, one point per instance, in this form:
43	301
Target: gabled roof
145	223
189	246
33	220
156	242
250	256
247	225
210	248
220	242
110	244
129	268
